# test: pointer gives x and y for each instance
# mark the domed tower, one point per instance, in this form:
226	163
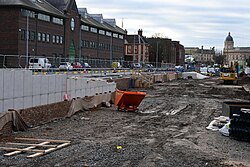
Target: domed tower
229	42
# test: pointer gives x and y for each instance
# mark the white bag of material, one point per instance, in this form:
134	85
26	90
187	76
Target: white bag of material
225	129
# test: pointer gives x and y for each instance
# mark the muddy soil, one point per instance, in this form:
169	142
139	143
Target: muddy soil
169	131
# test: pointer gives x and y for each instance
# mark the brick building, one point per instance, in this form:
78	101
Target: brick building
58	30
162	50
136	48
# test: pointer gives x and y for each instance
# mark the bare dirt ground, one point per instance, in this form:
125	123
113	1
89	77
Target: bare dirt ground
169	131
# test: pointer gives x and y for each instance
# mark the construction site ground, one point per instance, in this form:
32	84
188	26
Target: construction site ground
168	131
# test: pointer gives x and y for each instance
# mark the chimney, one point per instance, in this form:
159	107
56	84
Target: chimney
140	32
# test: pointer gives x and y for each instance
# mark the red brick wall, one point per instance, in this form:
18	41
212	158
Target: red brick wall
8	30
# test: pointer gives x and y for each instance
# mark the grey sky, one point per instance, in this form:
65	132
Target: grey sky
192	22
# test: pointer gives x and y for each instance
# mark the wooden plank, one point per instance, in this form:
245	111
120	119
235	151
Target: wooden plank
49	150
28	148
27	144
33	139
20	149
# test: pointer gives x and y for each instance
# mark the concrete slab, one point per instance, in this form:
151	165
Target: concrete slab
8	104
52	98
1	105
52	83
45	85
27	102
59	97
27	84
44	99
36	100
59	83
8	84
18	103
36	85
18	84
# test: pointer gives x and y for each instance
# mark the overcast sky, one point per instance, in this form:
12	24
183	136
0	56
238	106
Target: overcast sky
192	22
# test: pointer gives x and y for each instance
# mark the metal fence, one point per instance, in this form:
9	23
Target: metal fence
22	61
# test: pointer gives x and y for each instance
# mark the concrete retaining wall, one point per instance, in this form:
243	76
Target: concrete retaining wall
19	89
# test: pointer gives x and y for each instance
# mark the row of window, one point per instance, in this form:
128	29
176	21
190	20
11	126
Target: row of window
102	32
41	16
238	57
56	20
101	46
43	37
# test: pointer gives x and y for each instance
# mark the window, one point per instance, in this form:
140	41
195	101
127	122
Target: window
57	20
57	39
43	17
39	36
61	39
121	36
43	37
47	37
102	32
29	13
54	39
92	29
86	28
32	36
108	33
115	35
23	35
129	49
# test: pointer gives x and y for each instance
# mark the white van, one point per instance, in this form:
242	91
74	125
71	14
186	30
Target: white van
39	63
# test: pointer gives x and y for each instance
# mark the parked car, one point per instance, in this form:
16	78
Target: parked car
85	65
39	63
136	65
65	66
77	65
116	65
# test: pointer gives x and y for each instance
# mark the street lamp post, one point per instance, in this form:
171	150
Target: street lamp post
157	53
27	41
110	56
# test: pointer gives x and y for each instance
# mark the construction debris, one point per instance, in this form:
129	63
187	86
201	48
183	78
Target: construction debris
35	148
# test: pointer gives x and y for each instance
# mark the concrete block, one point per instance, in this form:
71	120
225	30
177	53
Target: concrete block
72	94
1	86
78	83
52	98
83	92
44	99
1	105
27	83
45	84
64	83
59	83
27	102
87	92
36	100
68	85
59	97
18	103
78	93
73	84
8	104
113	87
36	84
84	83
52	83
8	84
92	91
18	83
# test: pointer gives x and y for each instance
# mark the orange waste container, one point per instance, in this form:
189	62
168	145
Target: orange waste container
127	100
